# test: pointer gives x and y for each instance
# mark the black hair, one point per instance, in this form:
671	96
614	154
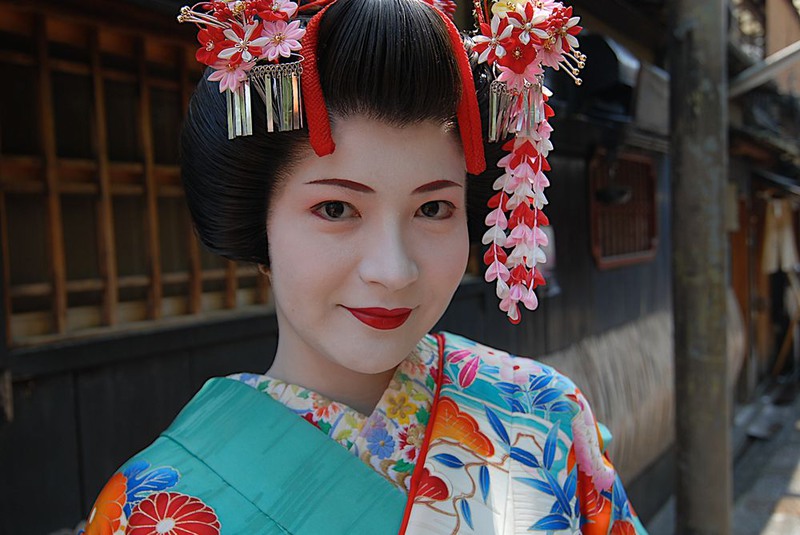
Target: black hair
389	60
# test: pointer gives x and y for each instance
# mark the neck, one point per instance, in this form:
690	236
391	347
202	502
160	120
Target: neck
359	391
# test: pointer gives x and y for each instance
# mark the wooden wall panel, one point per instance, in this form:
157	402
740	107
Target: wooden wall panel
251	355
783	29
122	409
39	459
569	314
532	338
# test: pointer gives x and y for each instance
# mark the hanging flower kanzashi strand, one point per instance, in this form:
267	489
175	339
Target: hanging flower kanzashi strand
522	38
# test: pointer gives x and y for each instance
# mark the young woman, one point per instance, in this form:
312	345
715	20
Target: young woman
360	220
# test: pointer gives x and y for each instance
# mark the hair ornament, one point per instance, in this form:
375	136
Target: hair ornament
520	38
252	42
468	113
319	126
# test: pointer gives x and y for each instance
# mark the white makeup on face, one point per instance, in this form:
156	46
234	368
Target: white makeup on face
367	247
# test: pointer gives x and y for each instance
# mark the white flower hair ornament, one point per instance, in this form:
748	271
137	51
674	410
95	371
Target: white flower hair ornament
252	42
522	37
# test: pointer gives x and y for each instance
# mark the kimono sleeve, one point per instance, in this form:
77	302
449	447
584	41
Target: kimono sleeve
150	486
604	505
166	482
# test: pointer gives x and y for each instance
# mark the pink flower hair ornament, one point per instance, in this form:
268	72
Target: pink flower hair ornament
252	41
522	38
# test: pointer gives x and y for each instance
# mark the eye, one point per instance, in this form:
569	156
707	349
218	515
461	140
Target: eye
334	210
436	210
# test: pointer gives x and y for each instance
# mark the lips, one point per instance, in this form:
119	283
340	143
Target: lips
383	319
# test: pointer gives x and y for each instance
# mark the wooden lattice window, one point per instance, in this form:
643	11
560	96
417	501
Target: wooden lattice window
622	209
95	233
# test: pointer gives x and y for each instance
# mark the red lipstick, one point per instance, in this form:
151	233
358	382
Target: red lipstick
384	319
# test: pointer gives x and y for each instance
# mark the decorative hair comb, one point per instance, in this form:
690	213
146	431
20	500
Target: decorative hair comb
522	37
252	42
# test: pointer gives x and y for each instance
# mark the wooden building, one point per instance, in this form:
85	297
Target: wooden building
114	316
765	178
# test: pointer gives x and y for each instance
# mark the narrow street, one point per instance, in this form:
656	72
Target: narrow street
766	474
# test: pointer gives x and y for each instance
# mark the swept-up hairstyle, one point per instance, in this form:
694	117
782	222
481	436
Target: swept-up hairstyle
390	60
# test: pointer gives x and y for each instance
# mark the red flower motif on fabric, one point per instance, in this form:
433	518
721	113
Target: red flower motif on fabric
172	513
309	417
623	527
325	410
431	486
106	513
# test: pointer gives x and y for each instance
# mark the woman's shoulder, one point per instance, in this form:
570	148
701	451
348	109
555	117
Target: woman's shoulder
181	475
150	487
505	368
525	390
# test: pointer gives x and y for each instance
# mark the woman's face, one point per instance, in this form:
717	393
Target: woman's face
367	245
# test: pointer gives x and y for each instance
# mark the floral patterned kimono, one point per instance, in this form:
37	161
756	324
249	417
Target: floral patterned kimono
466	439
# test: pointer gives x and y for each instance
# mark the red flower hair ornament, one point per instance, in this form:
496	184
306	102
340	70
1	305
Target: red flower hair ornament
522	38
260	43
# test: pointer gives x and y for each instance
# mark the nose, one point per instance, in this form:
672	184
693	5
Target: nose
387	259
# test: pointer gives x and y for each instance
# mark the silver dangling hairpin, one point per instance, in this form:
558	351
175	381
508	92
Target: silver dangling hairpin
514	111
279	88
240	113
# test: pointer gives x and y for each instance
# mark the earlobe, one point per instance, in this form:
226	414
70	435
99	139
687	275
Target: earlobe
264	270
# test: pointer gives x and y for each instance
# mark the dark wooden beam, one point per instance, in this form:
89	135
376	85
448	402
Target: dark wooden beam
126	18
152	243
106	246
55	232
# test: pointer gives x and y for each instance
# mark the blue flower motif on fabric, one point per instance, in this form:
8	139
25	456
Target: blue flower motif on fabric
380	443
142	482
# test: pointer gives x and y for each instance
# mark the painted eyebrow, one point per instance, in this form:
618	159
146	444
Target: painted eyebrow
343	183
436	185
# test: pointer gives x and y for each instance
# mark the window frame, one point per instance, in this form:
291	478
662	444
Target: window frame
598	176
49	178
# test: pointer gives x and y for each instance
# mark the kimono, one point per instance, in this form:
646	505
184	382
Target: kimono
466	439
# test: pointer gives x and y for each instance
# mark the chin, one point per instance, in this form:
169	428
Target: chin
380	355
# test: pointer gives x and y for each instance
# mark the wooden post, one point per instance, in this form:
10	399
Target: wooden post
193	247
150	189
699	100
107	256
231	284
55	234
